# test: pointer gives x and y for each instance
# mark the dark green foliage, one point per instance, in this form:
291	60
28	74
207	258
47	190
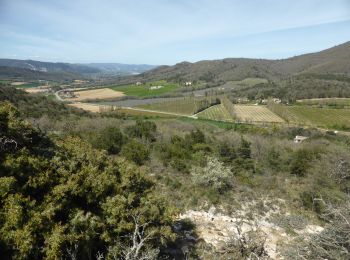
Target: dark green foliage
35	106
145	130
110	139
300	161
313	200
227	152
63	196
180	151
136	152
244	150
273	158
196	137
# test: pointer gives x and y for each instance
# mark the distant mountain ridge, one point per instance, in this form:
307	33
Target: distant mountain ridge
113	68
335	60
13	67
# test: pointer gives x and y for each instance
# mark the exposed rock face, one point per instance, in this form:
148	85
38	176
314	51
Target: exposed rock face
217	229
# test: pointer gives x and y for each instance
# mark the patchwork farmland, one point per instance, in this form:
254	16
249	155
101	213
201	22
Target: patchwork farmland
259	114
217	113
314	116
185	106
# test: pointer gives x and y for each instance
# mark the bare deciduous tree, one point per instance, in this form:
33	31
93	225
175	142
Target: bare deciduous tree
334	241
246	244
137	249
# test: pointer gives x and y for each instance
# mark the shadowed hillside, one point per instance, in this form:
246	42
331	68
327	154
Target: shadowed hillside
335	60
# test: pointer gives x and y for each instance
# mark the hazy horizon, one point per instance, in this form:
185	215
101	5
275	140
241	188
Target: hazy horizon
168	32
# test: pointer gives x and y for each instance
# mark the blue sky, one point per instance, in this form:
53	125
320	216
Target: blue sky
169	31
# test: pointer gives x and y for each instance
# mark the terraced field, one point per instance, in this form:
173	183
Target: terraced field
217	113
314	116
261	114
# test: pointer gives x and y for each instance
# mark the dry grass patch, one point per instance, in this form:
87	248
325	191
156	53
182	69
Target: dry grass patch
101	93
90	107
41	89
18	83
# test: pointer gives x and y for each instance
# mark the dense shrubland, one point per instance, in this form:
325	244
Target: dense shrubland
84	186
61	198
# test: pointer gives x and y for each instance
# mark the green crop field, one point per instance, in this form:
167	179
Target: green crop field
325	102
29	85
145	90
4	81
216	112
314	116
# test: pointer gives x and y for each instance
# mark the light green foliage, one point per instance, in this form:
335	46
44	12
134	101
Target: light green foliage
228	105
136	152
214	175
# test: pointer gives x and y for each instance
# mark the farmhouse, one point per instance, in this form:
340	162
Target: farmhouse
138	83
299	138
188	83
67	94
155	87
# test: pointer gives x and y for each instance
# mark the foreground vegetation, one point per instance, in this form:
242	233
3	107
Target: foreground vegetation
83	186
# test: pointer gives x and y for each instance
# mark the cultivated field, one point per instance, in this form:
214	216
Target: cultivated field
91	107
248	81
134	112
92	94
332	102
217	113
39	89
184	106
246	113
314	116
148	89
21	84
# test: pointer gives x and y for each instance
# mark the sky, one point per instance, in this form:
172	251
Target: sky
169	31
